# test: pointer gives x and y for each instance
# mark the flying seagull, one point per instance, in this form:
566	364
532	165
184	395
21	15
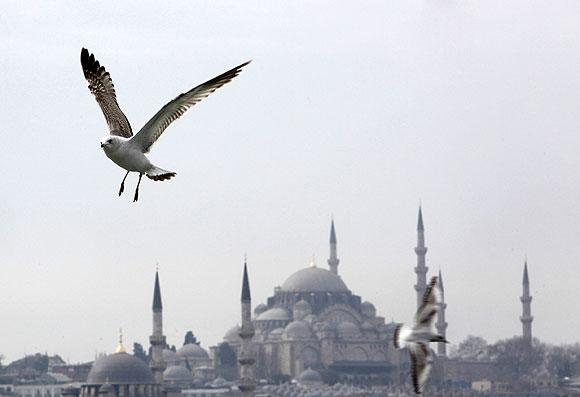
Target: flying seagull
128	150
417	338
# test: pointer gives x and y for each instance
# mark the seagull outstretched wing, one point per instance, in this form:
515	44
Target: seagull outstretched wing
420	365
101	86
151	131
426	313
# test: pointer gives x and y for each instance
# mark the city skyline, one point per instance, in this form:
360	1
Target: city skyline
356	113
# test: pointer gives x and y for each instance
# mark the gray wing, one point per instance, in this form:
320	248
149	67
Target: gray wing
420	365
151	131
426	313
102	88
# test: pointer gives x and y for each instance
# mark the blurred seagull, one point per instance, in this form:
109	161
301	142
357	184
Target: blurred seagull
128	150
417	339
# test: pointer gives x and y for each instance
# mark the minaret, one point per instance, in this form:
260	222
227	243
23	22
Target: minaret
333	259
246	359
441	325
526	317
157	340
421	269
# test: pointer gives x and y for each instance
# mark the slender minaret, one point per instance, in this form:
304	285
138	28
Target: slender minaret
526	317
421	269
441	325
246	359
157	340
333	259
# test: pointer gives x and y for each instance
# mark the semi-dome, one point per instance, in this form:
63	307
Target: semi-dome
177	374
192	351
314	279
310	376
120	368
298	330
274	314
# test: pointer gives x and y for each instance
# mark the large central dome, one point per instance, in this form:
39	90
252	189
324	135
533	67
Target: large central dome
313	279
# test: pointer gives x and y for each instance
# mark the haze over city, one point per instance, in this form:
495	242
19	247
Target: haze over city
357	113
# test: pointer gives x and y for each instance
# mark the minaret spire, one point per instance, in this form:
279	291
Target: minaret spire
441	324
157	305
157	339
420	269
333	259
526	317
246	358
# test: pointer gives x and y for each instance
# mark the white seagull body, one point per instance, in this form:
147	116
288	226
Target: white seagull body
417	338
121	146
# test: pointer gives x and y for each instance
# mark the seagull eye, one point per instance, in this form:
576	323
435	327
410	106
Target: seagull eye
110	141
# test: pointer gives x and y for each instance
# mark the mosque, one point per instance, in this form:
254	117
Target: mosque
313	321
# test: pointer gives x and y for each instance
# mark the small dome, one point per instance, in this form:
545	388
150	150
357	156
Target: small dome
192	351
347	329
170	357
368	309
298	330
177	374
310	375
219	382
261	308
310	319
274	314
367	326
107	388
233	335
276	333
314	279
302	305
120	368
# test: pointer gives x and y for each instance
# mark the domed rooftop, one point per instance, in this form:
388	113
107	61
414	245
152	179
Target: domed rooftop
314	279
177	373
169	356
261	308
233	335
107	388
274	314
120	368
276	333
310	375
298	330
192	351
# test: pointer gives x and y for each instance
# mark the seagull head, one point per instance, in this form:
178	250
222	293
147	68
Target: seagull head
110	142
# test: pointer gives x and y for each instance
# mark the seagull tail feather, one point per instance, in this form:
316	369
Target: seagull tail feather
158	174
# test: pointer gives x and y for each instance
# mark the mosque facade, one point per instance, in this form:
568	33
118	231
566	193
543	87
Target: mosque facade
314	321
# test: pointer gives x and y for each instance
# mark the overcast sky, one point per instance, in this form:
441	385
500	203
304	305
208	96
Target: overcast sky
361	111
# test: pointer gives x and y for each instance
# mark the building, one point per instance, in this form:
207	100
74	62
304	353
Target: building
120	375
313	320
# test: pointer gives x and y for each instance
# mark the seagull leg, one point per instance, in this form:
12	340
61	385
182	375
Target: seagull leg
123	184
137	190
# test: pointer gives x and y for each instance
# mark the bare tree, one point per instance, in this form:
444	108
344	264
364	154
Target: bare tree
472	348
517	359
